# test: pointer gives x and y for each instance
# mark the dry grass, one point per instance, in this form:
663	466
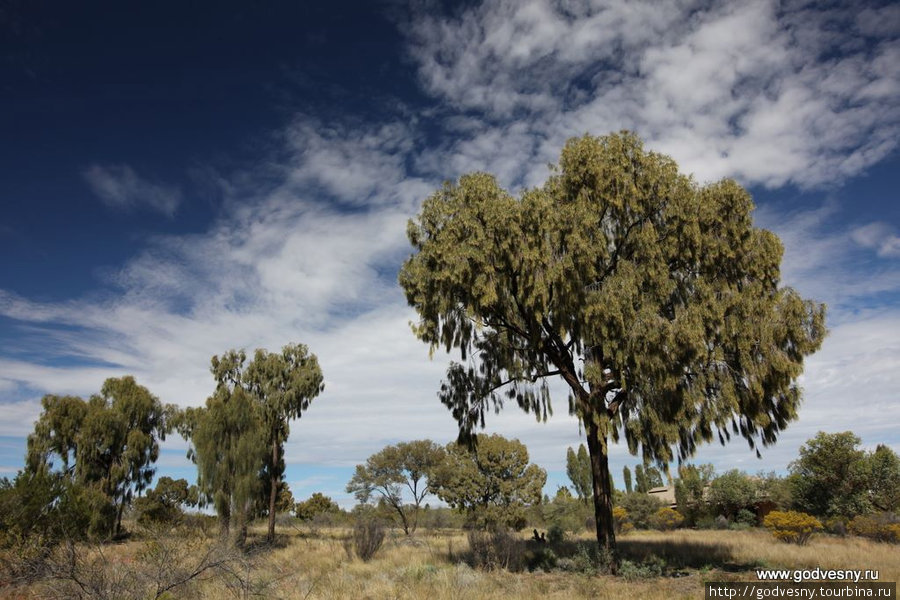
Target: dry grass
306	567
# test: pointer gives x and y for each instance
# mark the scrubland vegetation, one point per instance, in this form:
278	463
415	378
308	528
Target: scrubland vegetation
320	562
654	299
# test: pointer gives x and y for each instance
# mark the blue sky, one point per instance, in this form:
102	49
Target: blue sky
180	179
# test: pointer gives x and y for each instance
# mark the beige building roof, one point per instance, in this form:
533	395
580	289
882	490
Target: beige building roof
665	494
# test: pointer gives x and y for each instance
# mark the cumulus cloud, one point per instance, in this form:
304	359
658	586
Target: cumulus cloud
119	187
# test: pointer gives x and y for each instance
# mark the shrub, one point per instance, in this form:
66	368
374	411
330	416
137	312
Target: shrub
745	517
882	527
641	508
556	534
367	539
541	559
836	525
620	519
791	526
666	519
651	568
499	549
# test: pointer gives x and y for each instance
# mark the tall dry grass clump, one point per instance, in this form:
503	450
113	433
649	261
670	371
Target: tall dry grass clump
368	536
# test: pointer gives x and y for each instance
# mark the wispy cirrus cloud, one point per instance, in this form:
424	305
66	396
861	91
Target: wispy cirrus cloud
309	240
770	93
121	188
880	237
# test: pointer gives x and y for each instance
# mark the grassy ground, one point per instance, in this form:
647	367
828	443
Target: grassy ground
433	565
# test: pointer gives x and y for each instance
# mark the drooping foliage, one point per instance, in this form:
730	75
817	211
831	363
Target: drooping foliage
655	299
283	384
106	446
238	438
228	444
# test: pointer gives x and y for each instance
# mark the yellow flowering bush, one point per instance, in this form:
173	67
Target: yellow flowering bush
792	526
666	518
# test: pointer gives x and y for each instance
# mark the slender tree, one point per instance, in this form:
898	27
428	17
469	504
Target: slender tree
654	299
228	438
578	468
641	478
284	385
626	474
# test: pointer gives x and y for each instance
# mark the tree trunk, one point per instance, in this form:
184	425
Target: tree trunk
403	520
273	492
223	509
118	527
597	448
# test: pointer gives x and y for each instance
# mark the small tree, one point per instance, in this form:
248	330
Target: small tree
640	508
493	483
315	505
406	466
578	468
883	470
163	504
626	474
691	490
731	492
830	477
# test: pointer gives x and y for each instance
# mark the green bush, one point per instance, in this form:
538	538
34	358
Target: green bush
880	527
745	517
791	526
556	534
650	568
640	507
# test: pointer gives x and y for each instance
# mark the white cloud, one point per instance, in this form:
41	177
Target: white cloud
308	244
768	93
880	237
119	187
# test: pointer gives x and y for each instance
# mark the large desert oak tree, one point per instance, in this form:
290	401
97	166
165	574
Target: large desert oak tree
655	300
